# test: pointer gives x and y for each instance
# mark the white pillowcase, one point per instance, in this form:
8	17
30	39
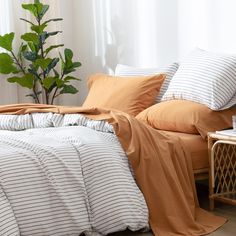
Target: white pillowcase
124	70
205	77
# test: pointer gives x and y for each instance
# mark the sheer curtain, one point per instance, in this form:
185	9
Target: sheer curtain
8	92
10	13
145	33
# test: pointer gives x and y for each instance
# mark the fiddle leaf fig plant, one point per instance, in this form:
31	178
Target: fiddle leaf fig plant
32	66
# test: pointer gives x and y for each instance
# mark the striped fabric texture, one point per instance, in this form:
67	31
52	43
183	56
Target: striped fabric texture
65	180
45	120
124	70
12	122
207	78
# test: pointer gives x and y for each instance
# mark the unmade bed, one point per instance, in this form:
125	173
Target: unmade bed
66	175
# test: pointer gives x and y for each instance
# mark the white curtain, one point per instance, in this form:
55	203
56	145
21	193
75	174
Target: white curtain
10	13
145	33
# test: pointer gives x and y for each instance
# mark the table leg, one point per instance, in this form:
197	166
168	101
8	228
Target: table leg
211	203
211	190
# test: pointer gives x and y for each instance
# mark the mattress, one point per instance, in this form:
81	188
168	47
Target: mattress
197	146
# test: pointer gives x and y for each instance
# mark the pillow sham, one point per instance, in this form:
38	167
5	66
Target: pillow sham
205	77
170	70
128	95
187	117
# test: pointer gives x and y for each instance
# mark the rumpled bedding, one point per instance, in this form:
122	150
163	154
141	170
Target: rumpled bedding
162	168
65	175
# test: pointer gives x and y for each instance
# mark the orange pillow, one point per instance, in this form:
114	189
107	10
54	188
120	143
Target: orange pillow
187	117
131	95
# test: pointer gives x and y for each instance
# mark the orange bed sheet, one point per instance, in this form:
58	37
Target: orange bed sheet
197	147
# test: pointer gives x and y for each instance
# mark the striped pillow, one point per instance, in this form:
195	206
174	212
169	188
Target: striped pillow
123	70
207	78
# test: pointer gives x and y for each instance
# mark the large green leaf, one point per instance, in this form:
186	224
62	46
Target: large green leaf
76	64
38	28
30	37
43	63
53	47
43	10
6	41
6	64
55	19
69	89
37	9
68	71
46	35
43	37
54	33
60	82
34	70
30	56
31	8
69	78
48	82
25	81
52	64
68	54
68	61
22	49
32	46
68	65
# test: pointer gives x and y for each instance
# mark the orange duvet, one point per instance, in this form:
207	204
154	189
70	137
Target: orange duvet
162	167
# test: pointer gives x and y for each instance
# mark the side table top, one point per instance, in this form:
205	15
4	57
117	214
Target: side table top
214	135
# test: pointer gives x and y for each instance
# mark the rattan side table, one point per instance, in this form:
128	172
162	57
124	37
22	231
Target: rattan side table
222	174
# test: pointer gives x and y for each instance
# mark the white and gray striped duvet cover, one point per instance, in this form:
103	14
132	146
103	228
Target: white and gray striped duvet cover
65	180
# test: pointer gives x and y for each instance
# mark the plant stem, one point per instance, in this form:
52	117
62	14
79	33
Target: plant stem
18	63
43	56
23	71
54	95
35	94
55	92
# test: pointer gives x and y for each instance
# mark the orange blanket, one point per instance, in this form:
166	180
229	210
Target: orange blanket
162	168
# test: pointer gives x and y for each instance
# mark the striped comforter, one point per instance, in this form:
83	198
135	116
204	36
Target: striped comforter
65	175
